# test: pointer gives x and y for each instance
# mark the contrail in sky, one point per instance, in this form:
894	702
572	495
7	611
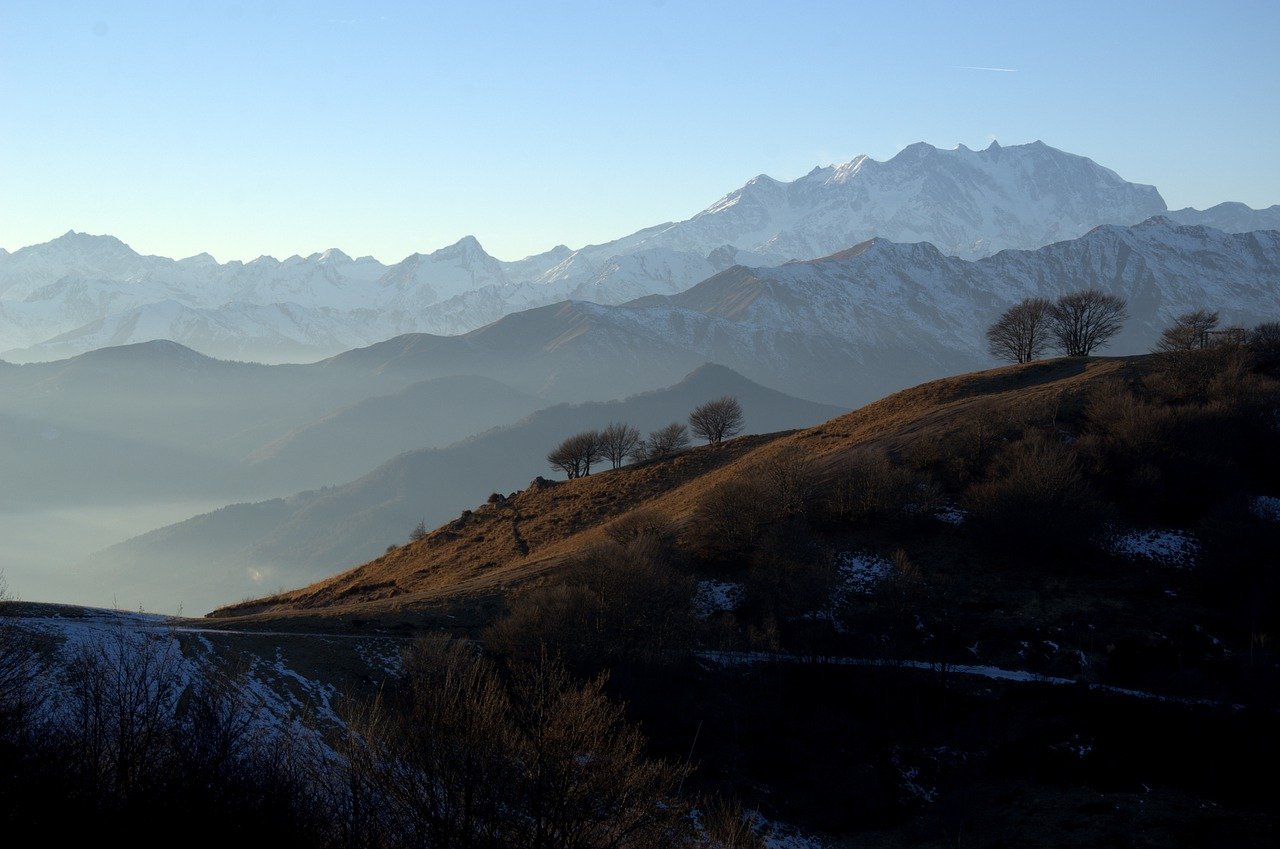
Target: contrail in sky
980	68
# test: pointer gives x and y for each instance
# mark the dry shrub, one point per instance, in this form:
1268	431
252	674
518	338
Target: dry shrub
468	757
1169	456
789	481
1035	495
735	514
644	523
618	603
868	486
726	826
730	519
1264	343
788	575
1184	376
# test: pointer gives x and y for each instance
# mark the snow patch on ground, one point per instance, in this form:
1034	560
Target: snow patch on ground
1166	547
1266	507
860	572
717	596
952	514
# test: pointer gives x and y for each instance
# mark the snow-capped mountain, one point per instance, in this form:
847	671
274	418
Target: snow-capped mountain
851	327
1231	217
80	291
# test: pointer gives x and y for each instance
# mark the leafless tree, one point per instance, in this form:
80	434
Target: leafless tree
618	440
464	759
124	688
21	674
1021	333
1083	321
1190	331
575	455
585	778
718	420
667	441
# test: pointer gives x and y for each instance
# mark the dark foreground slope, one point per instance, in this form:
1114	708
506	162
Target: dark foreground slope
1020	607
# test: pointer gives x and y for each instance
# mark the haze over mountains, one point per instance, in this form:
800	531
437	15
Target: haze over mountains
80	292
847	284
252	548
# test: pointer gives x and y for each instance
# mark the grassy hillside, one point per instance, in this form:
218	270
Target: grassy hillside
552	521
1027	606
307	536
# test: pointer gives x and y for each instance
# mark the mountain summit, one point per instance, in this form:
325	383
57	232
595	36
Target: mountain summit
79	292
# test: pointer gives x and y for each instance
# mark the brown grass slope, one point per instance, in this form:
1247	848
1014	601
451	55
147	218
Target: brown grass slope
484	553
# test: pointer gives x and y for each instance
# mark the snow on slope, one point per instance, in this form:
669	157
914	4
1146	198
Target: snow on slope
1231	217
883	316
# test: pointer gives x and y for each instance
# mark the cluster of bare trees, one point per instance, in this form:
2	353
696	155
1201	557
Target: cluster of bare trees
575	455
1076	324
714	421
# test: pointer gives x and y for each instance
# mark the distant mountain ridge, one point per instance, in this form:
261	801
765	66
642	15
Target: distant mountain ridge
848	328
81	292
308	535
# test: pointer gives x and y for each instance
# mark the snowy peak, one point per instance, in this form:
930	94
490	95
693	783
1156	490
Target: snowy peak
968	203
1231	217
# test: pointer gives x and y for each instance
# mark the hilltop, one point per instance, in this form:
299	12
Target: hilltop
536	528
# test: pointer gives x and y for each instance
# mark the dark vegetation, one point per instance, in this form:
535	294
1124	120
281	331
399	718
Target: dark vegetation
1023	577
728	635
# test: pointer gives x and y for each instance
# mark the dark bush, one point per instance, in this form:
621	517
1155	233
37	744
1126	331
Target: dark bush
1035	495
867	486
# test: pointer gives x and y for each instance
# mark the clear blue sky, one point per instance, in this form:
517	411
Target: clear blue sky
266	126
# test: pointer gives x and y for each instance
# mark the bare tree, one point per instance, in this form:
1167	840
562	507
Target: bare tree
667	441
464	759
1190	331
618	441
575	455
123	691
21	674
1021	333
586	781
718	420
1080	322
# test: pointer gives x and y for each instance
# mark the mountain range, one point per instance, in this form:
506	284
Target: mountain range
847	328
81	292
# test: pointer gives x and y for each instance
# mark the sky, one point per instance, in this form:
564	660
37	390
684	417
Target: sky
272	127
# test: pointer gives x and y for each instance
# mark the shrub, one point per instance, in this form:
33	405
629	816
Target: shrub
618	603
1034	494
730	519
868	486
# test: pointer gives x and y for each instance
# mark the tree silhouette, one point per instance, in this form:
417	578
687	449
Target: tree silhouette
1021	333
718	420
1082	321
